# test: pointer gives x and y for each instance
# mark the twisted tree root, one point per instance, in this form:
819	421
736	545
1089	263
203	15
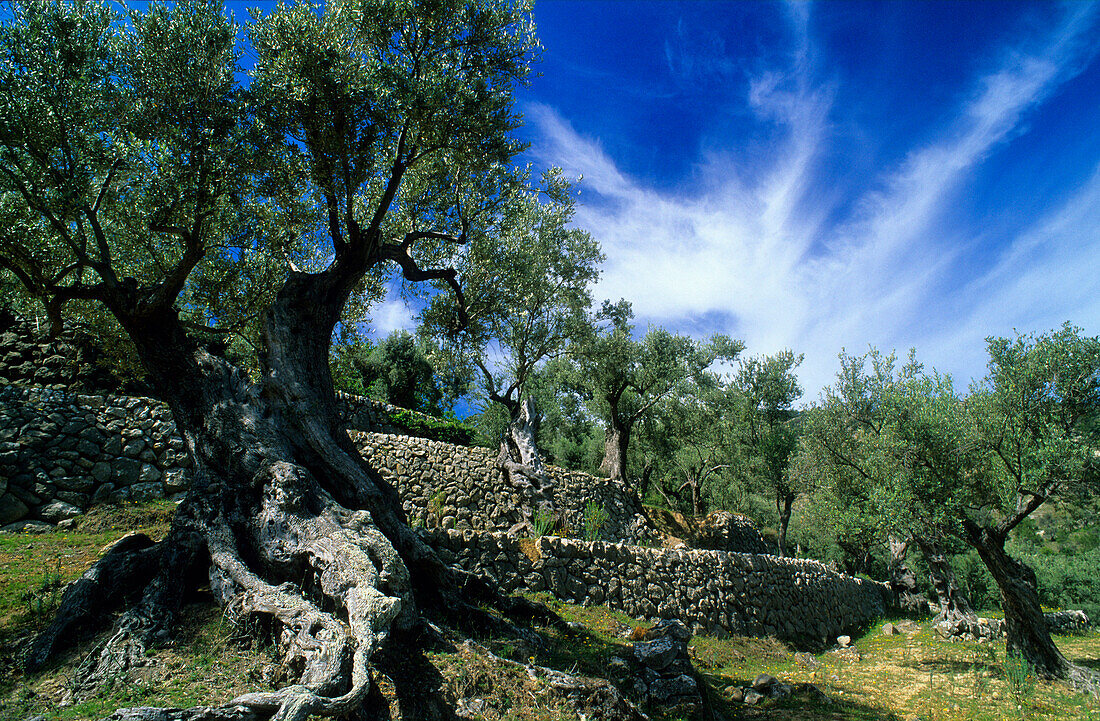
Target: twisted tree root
129	563
348	565
595	697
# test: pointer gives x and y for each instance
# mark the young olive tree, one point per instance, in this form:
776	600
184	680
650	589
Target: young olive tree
692	436
626	378
137	174
849	438
526	294
769	390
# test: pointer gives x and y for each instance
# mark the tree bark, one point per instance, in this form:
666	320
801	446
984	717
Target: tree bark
783	504
1026	630
903	581
522	438
616	442
283	516
954	605
522	466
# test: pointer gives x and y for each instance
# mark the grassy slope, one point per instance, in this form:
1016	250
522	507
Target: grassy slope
908	676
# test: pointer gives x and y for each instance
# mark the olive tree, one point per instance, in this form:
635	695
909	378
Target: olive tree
627	378
526	297
769	390
934	463
134	170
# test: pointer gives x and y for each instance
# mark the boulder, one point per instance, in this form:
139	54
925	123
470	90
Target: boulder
725	531
661	667
680	688
143	492
656	654
11	509
57	511
27	527
763	682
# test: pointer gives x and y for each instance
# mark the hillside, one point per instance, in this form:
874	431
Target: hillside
905	675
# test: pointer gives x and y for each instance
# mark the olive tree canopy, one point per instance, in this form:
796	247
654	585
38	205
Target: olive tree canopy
138	175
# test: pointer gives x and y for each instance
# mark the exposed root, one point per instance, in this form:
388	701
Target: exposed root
597	698
1083	679
153	617
353	586
127	565
198	713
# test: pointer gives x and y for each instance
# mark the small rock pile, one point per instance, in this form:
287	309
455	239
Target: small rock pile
660	668
767	686
987	629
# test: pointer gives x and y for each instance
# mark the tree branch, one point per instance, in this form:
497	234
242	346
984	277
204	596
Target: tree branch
106	184
414	236
397	172
165	293
398	253
1023	510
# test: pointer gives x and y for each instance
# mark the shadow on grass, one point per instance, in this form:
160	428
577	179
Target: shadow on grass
590	654
800	705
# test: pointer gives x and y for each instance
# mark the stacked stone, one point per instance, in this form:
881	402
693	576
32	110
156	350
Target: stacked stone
29	356
725	531
662	672
1062	623
458	487
368	414
60	453
714	592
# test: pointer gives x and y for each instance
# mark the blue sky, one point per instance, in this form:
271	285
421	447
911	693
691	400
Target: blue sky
832	175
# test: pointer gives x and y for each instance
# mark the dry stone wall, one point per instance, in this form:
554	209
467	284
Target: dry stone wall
59	453
458	487
69	361
62	452
717	592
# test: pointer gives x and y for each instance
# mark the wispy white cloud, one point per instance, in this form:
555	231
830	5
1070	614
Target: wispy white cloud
753	249
393	313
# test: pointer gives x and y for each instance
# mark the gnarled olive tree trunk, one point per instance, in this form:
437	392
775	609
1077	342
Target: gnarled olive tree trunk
284	519
954	605
523	469
615	445
1025	627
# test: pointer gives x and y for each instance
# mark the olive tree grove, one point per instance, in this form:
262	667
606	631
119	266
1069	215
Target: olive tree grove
933	463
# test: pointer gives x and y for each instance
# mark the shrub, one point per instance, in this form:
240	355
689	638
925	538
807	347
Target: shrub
447	430
542	523
595	517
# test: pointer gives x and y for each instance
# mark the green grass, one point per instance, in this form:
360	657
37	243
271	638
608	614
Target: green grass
907	677
35	566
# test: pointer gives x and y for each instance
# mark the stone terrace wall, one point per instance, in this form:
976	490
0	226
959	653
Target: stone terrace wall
717	592
470	493
59	453
367	414
70	361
